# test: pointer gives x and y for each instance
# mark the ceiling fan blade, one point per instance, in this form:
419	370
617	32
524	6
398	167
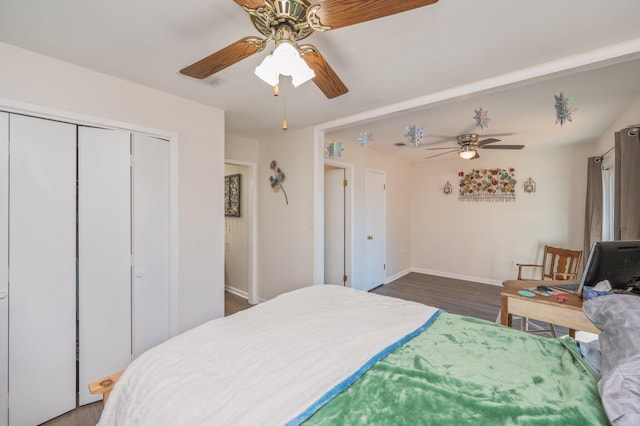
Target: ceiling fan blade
442	153
342	13
503	147
250	4
487	141
446	147
220	60
326	79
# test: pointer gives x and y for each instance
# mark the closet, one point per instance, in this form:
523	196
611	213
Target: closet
84	248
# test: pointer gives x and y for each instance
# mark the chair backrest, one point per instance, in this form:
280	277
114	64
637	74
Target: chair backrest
560	264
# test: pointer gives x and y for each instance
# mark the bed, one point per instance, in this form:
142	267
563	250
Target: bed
330	355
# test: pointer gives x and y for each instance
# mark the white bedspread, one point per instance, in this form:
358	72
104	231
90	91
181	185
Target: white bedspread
265	365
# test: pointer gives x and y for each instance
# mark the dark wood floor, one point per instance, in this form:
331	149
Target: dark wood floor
234	303
451	295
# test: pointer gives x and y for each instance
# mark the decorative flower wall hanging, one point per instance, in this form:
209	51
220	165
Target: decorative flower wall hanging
414	135
365	139
488	185
334	149
482	118
277	179
564	109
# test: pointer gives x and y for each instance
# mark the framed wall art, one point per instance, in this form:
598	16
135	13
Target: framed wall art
232	195
488	185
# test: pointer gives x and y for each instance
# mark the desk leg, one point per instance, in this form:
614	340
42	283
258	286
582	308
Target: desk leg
505	318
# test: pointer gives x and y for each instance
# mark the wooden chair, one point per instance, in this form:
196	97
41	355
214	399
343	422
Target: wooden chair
558	264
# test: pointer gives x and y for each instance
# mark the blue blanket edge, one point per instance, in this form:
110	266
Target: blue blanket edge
356	375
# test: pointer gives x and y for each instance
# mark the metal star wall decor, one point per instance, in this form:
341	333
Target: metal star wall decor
365	139
414	135
334	149
564	109
482	118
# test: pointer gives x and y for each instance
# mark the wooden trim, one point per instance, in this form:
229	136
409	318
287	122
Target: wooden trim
104	385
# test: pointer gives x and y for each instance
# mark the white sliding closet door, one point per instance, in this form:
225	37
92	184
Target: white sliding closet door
4	270
104	254
150	242
42	275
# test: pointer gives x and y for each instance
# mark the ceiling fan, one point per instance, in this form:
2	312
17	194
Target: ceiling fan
289	21
468	145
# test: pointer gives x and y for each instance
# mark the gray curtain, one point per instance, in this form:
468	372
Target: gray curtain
627	192
593	211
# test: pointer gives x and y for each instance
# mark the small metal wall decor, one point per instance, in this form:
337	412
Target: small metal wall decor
447	189
529	186
564	109
365	139
482	118
277	179
232	195
414	135
334	149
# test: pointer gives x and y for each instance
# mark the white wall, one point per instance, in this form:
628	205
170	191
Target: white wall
241	149
398	214
36	79
236	264
482	241
285	241
630	116
284	232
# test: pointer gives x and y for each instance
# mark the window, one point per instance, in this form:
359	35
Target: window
608	196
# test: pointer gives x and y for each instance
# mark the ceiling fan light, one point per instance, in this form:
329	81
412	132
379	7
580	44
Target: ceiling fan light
302	74
285	57
285	60
267	72
467	153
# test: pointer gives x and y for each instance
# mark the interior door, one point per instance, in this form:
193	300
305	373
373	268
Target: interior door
150	202
42	270
334	225
375	229
104	253
4	268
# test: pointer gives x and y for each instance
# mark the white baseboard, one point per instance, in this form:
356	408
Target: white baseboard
237	292
398	275
458	276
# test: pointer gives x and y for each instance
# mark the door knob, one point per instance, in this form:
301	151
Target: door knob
139	274
370	237
3	294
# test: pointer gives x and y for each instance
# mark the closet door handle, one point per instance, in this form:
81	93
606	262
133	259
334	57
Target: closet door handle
139	274
3	294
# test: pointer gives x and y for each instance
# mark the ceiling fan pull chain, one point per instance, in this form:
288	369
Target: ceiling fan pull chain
284	107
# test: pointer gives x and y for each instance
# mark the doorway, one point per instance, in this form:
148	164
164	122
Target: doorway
240	257
337	224
375	212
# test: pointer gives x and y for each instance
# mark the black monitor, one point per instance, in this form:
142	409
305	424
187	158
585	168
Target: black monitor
616	261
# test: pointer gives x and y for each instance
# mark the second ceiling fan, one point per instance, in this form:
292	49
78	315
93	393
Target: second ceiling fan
289	21
468	145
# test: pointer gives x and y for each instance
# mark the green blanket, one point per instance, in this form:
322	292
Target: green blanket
462	370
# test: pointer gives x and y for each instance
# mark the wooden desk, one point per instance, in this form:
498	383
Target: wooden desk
543	308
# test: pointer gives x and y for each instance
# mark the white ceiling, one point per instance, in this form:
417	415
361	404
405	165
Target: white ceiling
436	55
